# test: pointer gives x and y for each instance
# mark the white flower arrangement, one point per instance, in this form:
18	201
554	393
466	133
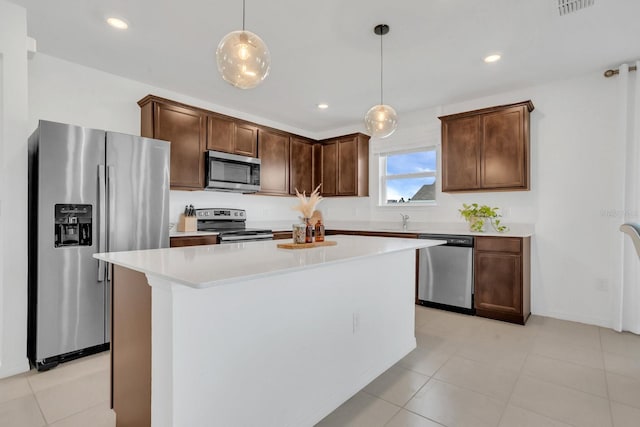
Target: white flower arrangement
307	206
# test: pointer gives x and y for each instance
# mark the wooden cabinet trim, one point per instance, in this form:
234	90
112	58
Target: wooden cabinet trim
528	104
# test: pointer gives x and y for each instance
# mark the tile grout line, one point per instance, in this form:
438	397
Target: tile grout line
606	377
529	409
33	393
515	384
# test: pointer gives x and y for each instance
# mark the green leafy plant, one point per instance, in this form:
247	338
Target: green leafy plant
476	216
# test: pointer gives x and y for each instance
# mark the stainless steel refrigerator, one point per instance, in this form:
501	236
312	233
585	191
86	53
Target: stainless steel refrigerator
89	191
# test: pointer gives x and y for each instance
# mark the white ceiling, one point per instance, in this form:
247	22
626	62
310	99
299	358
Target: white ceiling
326	51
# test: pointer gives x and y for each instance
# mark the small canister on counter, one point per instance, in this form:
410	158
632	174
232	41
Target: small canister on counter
299	232
319	231
309	233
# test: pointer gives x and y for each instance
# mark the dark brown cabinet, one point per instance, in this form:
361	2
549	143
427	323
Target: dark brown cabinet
302	166
282	235
185	128
345	166
329	177
502	278
288	161
180	241
486	150
273	149
231	136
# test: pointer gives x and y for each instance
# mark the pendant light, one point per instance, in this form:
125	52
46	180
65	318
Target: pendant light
381	120
243	58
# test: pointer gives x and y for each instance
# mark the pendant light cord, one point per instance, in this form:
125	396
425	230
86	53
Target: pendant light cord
243	1
381	66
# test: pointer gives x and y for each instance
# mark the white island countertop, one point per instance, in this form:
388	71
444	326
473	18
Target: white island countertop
212	265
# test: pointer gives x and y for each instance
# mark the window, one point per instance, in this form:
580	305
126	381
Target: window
408	177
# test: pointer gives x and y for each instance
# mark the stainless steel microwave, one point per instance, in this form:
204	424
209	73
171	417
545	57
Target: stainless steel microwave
231	172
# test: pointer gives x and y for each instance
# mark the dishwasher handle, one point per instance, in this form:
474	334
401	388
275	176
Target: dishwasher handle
451	239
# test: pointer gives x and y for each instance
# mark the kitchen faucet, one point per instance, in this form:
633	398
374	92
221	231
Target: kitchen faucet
405	219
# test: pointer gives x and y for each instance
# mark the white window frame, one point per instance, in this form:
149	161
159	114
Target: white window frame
382	182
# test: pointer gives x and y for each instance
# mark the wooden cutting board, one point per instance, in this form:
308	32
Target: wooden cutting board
306	245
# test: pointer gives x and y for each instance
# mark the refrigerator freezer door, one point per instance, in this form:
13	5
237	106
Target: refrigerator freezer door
70	307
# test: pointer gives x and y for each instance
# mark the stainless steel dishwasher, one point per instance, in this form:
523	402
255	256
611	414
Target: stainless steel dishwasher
445	273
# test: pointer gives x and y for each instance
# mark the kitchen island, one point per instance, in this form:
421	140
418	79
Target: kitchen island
249	334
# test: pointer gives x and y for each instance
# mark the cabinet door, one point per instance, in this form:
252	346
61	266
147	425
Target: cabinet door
186	129
177	242
273	149
498	282
347	167
220	134
461	154
246	140
503	160
301	166
329	171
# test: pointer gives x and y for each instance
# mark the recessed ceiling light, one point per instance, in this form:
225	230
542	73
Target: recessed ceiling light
323	106
118	23
492	58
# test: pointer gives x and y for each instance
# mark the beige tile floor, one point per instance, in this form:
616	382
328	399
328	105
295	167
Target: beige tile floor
466	371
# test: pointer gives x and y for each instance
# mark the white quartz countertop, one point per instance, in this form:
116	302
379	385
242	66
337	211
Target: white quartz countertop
458	228
212	265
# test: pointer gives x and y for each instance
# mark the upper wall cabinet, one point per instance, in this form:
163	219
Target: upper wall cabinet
231	136
486	150
345	166
287	161
185	128
302	166
273	150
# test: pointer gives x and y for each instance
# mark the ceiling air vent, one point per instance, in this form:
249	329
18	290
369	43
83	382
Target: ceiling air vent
570	6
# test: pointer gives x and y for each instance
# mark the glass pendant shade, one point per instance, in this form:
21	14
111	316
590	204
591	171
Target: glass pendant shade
381	120
243	59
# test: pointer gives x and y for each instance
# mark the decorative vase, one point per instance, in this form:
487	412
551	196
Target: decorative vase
477	223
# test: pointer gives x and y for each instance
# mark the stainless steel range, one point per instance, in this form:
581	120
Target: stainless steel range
231	224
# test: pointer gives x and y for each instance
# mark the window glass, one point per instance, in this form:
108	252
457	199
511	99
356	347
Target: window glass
408	177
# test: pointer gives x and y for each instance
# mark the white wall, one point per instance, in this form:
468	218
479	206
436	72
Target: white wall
574	198
13	189
70	93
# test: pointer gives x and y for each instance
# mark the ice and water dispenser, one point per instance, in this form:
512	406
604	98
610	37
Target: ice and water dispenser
73	225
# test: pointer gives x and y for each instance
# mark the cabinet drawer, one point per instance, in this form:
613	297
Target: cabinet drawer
499	244
177	242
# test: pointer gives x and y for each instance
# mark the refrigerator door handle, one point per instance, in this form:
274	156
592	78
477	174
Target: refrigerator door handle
111	174
102	220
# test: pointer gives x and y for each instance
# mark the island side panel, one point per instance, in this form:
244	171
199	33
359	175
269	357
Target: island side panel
291	347
131	348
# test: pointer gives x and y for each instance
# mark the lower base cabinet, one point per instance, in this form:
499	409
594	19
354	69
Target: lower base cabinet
176	242
502	278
